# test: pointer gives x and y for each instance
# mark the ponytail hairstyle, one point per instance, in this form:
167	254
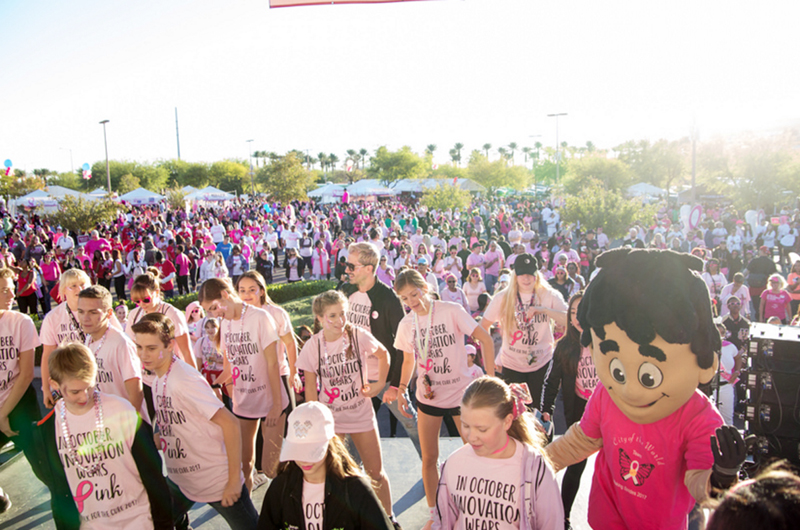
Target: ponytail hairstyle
494	393
322	302
568	348
147	282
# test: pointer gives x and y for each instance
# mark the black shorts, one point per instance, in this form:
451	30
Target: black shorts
287	410
438	412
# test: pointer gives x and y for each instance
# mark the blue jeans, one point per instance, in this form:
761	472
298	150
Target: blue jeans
489	281
241	516
409	424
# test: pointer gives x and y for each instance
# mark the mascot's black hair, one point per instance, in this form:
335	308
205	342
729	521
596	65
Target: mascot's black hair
648	293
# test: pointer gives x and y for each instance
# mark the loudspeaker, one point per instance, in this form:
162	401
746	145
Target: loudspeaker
772	405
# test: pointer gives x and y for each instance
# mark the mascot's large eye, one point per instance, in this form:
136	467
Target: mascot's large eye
617	370
649	375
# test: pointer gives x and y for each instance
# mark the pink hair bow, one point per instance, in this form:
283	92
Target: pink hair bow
521	396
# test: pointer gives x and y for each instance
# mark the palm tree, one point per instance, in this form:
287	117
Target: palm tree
332	159
458	147
454	155
323	161
513	148
538	147
590	147
486	148
364	155
503	153
527	151
351	153
430	149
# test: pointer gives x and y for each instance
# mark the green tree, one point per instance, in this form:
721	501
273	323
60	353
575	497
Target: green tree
364	156
176	198
230	176
486	148
81	215
611	172
127	183
595	205
512	148
67	179
497	174
332	160
430	148
458	147
285	179
389	166
446	196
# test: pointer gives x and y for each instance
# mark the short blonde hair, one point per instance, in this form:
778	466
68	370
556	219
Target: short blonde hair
366	252
5	272
72	361
69	278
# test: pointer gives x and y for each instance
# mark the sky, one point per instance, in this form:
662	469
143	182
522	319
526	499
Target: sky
331	78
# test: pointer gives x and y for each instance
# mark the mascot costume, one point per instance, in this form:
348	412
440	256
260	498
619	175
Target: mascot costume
647	317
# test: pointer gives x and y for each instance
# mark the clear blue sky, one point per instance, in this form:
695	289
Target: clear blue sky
332	78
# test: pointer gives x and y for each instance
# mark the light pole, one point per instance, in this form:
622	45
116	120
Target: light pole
250	157
108	169
558	154
71	165
534	164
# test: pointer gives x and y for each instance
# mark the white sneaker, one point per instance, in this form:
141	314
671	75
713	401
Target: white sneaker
259	479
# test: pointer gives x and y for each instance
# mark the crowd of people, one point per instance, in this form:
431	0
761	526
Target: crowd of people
463	317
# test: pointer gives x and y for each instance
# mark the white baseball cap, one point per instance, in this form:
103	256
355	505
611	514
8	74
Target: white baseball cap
310	428
471	350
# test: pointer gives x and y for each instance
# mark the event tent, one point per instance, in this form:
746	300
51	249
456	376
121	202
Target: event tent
645	189
369	188
328	192
420	185
188	189
37	198
141	196
99	192
57	192
210	193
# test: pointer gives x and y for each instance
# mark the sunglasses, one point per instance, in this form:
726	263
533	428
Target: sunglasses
352	266
143	301
451	281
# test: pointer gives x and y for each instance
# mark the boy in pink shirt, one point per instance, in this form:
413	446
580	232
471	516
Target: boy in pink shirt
647	419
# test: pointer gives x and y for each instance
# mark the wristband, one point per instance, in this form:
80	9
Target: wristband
394	387
216	386
730	472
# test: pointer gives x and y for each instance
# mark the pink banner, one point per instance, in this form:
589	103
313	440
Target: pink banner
292	3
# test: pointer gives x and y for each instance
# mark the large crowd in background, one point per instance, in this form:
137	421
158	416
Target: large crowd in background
422	296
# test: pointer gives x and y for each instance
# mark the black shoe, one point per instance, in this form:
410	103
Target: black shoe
395	523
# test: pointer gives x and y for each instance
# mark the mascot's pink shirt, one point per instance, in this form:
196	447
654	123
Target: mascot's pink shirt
640	468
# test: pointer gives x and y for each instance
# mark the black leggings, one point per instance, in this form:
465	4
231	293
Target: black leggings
27	304
119	286
535	381
572	476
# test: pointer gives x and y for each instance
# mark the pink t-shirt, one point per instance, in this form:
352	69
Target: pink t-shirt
205	351
283	326
639	472
341	379
193	446
531	349
446	364
17	334
129	507
476	261
244	341
359	313
586	376
178	319
59	327
117	362
493	269
775	305
313	504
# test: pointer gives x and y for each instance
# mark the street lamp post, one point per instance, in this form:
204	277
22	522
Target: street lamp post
108	169
558	154
71	165
250	157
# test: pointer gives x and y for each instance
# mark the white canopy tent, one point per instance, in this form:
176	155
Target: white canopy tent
141	196
99	192
420	185
369	188
645	189
210	193
58	192
328	192
188	189
37	199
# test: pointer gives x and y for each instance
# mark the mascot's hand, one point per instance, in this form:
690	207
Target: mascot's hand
730	451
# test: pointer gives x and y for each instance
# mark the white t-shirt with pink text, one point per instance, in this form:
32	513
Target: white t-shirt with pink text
243	342
586	375
283	326
341	378
193	446
17	334
113	496
446	362
530	349
117	362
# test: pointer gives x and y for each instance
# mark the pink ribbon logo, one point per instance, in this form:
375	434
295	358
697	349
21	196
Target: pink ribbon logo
427	366
332	394
163	444
236	374
83	492
516	336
